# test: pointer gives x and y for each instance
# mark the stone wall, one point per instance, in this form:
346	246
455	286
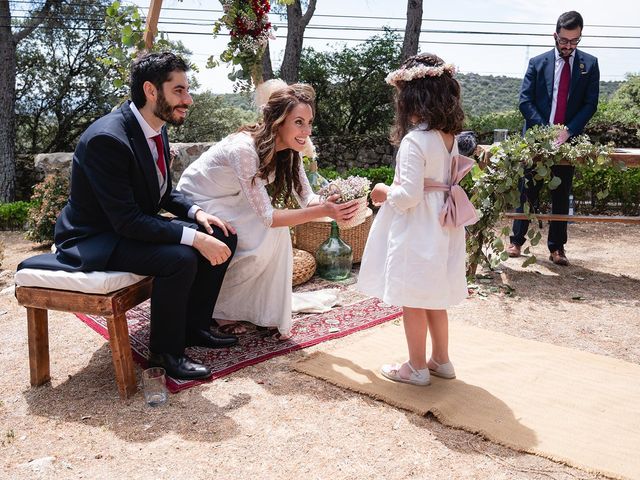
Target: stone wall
343	153
338	153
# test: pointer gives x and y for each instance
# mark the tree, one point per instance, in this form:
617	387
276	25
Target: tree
8	44
296	24
61	86
351	94
210	119
412	30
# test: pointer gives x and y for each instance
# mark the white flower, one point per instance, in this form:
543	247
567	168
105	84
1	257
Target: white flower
348	188
309	149
419	71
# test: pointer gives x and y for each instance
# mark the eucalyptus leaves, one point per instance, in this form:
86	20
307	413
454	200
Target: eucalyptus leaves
495	186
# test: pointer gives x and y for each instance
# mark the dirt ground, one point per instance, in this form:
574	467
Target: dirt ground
268	421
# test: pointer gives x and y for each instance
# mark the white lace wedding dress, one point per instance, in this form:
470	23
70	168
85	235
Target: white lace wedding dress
257	286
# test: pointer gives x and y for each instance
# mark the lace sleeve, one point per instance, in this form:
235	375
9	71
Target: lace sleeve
307	193
244	162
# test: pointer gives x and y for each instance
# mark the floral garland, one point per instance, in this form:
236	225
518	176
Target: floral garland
419	71
250	29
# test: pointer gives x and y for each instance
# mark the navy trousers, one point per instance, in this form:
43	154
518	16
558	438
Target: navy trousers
185	286
530	192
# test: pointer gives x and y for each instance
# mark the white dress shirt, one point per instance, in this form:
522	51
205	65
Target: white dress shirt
188	234
556	80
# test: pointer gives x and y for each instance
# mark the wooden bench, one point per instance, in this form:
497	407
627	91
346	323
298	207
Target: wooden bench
112	305
629	156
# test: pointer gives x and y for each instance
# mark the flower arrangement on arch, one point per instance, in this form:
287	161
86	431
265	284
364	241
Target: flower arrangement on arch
249	29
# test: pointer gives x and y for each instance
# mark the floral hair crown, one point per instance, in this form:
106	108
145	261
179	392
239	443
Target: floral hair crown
419	71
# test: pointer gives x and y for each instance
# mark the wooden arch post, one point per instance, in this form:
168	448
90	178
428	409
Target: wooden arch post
151	27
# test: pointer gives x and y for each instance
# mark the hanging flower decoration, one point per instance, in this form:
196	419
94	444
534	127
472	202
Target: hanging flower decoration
249	29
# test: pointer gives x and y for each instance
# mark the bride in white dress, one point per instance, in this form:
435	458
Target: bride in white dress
230	181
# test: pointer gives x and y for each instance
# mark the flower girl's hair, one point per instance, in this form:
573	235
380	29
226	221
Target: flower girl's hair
426	92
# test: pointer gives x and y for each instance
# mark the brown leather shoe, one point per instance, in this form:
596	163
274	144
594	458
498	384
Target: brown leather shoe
559	258
513	250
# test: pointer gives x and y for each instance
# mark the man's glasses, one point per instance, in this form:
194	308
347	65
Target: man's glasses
566	41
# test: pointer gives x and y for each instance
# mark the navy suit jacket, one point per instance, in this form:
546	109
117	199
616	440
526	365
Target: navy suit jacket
115	194
536	93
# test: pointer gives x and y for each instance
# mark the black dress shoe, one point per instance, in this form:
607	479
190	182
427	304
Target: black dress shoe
180	367
205	338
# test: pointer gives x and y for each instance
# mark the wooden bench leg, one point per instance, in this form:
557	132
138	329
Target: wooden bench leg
38	338
121	354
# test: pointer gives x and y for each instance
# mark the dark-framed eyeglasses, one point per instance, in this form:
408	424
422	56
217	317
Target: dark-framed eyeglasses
567	41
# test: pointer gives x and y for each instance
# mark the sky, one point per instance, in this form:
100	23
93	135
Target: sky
358	20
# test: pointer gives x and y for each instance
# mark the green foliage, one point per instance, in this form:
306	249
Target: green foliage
125	25
13	215
210	119
60	86
622	185
125	30
483	94
484	125
495	187
48	200
624	105
375	175
351	94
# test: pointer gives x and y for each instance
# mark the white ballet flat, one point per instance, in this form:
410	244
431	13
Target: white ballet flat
445	370
417	377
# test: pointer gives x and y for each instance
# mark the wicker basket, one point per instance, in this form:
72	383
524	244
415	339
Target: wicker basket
304	266
310	235
358	217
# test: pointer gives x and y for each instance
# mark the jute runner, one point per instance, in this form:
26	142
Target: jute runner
571	406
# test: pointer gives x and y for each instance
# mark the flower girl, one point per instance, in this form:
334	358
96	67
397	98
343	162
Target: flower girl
415	253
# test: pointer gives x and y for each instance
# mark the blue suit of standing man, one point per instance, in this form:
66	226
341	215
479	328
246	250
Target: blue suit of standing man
541	105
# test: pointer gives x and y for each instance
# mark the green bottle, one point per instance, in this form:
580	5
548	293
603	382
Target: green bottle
334	257
316	180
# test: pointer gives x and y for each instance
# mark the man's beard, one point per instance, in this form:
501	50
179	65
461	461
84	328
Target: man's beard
164	111
566	53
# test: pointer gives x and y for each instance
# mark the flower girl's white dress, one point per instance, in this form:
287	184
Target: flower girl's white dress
410	259
257	285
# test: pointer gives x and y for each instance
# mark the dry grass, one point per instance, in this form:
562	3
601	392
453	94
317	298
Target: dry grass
268	421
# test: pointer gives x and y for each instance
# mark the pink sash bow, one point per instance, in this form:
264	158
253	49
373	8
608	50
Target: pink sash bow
457	211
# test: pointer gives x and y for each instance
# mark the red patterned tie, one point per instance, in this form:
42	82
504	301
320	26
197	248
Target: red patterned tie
160	161
563	93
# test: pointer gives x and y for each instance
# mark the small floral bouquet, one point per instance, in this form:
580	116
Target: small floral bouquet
350	188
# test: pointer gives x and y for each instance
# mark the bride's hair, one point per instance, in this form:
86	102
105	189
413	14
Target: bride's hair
286	163
432	99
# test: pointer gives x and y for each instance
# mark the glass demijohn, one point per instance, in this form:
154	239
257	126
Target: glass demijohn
334	257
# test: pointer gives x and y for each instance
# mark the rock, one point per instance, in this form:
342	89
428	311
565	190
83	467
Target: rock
39	465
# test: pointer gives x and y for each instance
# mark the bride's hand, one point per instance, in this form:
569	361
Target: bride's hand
340	211
206	220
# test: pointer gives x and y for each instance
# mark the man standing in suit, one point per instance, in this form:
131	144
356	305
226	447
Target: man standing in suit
560	87
120	180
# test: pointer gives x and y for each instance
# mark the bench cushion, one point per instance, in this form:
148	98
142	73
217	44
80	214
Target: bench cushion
39	271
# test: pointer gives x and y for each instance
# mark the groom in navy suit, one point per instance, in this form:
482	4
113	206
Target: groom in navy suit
560	87
120	180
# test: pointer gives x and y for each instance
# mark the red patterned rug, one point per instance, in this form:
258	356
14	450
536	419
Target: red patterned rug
256	346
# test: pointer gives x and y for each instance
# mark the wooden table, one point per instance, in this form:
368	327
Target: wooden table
629	156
